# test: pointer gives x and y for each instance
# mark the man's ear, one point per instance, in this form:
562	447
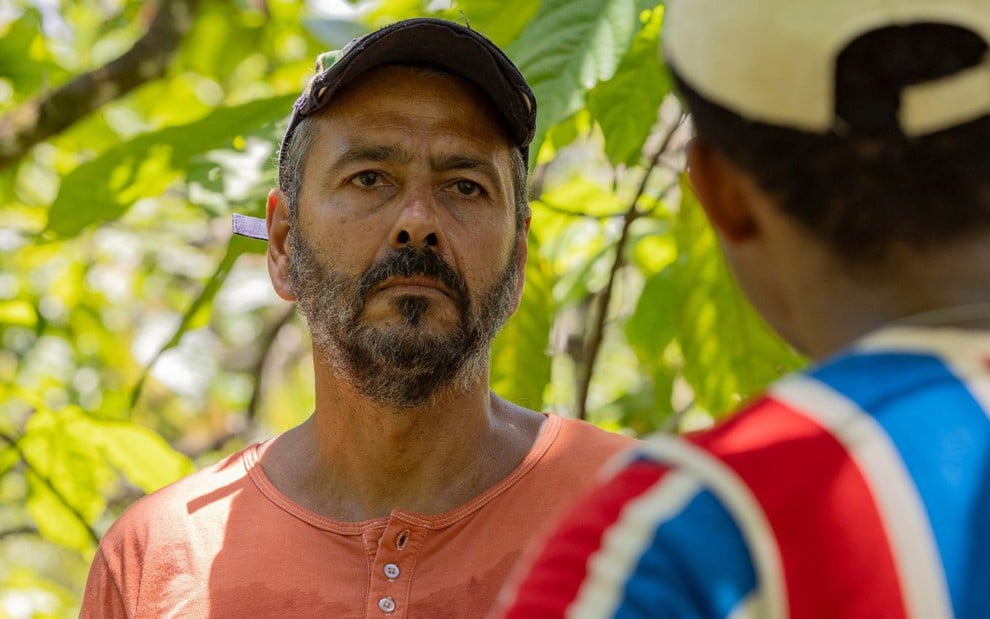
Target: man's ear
723	190
279	260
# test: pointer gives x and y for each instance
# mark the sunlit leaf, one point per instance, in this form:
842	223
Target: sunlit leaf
104	188
626	105
729	352
499	20
653	325
18	312
570	46
140	454
22	51
67	477
520	368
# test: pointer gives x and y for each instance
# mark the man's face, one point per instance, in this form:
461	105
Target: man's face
405	256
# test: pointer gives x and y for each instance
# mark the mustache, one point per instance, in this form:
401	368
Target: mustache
408	262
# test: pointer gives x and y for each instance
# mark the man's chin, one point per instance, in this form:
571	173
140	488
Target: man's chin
421	313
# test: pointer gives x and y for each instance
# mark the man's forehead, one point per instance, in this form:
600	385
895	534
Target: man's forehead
398	94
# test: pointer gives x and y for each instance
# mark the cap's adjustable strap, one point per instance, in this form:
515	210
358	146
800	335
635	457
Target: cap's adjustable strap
946	102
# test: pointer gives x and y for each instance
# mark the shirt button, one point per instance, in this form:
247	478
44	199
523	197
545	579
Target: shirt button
391	571
386	605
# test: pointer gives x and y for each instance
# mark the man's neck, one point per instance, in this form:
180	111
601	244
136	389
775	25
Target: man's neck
355	460
944	288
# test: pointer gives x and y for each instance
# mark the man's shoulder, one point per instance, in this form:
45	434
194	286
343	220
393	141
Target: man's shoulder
576	431
573	451
207	489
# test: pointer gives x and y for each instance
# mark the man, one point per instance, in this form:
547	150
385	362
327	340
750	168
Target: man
400	228
843	156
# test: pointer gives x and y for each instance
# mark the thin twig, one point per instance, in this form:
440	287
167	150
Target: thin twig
24	530
582	214
673	423
605	296
267	341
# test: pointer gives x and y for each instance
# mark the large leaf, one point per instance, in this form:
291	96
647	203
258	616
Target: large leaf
66	477
104	188
570	46
626	105
22	55
70	456
499	20
520	368
653	325
141	455
729	352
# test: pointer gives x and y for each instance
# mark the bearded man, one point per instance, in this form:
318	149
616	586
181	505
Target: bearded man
399	227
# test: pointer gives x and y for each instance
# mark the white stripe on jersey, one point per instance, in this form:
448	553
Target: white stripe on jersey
965	352
902	511
690	460
624	542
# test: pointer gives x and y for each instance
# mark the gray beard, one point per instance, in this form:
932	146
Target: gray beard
401	366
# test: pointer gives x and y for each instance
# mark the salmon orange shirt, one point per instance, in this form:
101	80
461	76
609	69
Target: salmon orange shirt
225	542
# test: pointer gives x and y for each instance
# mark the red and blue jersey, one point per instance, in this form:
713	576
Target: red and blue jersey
858	489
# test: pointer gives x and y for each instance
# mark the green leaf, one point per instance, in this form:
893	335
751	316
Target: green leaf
520	367
499	20
729	352
54	520
570	46
66	477
140	454
626	105
104	188
639	412
652	327
22	49
222	36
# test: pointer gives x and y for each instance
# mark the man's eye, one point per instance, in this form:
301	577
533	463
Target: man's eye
468	188
367	179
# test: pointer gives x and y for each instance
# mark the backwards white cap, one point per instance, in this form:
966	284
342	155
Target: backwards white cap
773	61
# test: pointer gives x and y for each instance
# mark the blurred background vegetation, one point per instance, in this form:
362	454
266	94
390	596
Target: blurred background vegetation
140	340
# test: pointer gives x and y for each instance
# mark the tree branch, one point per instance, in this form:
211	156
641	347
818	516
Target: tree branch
605	297
49	114
258	371
23	530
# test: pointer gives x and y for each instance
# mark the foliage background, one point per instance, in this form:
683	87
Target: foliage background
141	341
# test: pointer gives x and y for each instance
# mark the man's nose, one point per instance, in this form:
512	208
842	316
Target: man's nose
418	223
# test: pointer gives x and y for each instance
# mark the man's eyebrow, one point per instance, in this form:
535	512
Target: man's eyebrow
454	161
372	153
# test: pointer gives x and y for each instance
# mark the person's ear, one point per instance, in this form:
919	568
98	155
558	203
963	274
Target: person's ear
279	260
723	190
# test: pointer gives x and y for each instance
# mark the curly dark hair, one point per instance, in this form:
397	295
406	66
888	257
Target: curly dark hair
865	186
